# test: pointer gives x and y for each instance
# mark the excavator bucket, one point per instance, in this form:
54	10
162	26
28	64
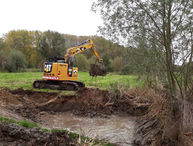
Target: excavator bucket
97	70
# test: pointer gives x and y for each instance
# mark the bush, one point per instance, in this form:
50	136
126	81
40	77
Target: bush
92	60
127	69
3	59
107	62
117	64
16	61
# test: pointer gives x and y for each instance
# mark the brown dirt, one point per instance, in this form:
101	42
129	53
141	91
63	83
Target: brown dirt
86	102
97	70
156	125
16	135
30	105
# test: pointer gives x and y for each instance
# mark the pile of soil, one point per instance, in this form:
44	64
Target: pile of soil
97	70
16	135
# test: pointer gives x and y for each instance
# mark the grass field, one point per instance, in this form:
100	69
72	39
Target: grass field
25	79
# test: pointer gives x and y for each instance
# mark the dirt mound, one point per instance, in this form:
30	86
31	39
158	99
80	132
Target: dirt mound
97	70
14	135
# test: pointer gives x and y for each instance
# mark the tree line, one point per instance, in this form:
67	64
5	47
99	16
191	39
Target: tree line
20	49
29	49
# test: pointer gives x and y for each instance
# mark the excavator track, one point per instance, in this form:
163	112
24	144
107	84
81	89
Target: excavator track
58	85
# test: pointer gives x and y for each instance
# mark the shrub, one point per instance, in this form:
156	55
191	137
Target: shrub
107	62
117	64
3	59
127	69
16	61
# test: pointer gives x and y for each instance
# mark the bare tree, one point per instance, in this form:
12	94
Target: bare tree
162	25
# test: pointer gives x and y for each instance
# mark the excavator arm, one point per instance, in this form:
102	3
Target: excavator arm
81	48
95	69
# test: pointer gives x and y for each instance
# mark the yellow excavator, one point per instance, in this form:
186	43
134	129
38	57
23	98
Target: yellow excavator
60	74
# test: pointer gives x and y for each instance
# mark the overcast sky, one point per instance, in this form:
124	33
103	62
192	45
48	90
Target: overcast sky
65	16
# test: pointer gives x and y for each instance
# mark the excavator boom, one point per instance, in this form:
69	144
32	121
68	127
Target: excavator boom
81	48
97	69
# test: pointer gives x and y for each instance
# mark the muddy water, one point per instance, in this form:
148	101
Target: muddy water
115	129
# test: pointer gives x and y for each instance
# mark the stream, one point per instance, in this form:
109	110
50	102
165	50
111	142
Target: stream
114	129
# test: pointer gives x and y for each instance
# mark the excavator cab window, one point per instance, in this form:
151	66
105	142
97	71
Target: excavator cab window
60	61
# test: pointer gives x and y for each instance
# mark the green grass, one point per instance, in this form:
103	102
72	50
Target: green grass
25	79
6	120
105	82
24	123
19	80
27	124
